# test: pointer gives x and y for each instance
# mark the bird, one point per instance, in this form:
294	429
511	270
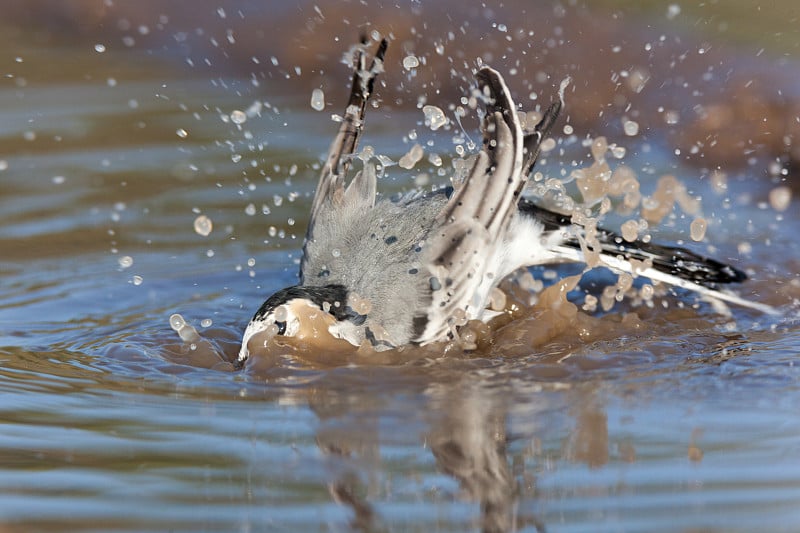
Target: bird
407	270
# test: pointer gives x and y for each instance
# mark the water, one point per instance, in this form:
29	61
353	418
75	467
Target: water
673	419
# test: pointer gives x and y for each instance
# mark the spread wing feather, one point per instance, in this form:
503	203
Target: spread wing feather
477	215
330	188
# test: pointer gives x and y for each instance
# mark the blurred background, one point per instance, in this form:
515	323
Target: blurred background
716	80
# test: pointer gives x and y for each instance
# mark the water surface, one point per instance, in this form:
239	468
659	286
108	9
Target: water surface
672	418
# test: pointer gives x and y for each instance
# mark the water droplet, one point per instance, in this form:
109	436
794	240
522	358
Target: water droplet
410	62
673	11
780	198
176	322
99	48
203	225
412	157
599	147
238	117
697	230
671	117
548	144
647	291
206	322
630	230
631	128
182	133
183	328
137	280
58	180
335	252
281	314
250	209
434	117
125	261
744	248
317	100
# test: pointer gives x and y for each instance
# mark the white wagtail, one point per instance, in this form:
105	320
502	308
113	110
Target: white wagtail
398	272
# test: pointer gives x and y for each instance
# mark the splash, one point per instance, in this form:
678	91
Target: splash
185	330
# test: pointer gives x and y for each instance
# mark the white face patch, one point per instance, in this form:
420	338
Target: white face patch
253	335
298	318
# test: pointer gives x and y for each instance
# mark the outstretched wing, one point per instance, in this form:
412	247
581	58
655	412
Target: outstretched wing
330	189
472	224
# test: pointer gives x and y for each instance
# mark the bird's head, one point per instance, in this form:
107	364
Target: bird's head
318	316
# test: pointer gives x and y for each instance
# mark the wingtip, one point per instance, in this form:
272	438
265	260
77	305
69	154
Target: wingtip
563	87
497	96
489	78
486	71
381	52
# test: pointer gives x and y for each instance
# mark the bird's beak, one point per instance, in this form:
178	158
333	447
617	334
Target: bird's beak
244	353
253	329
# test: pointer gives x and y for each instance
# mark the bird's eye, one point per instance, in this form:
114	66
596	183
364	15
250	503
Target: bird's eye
281	327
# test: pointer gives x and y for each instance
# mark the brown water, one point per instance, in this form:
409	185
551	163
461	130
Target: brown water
672	418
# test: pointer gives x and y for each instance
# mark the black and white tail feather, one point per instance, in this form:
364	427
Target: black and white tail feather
674	266
465	240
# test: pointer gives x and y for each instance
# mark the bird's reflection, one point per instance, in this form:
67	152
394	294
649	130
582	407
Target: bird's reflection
468	440
466	425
